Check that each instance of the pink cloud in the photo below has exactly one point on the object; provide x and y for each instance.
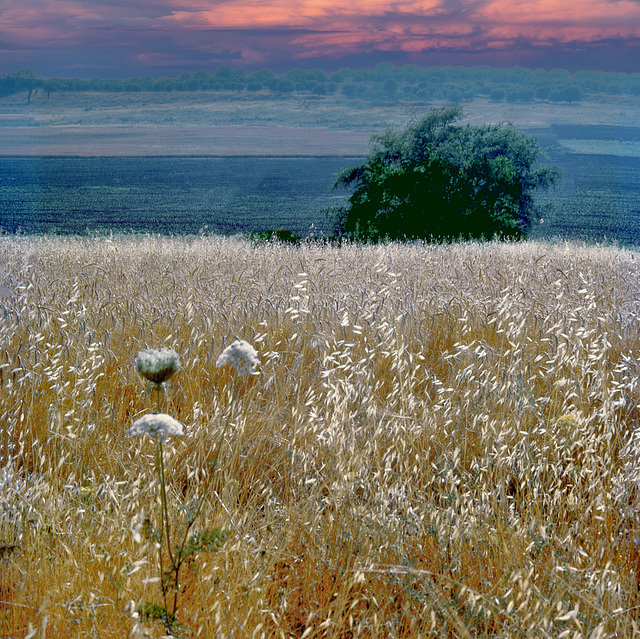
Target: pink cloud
(545, 11)
(166, 33)
(396, 36)
(293, 13)
(340, 26)
(547, 21)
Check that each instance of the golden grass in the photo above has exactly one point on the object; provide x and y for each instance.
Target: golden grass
(440, 442)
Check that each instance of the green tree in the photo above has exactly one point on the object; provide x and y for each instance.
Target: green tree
(543, 92)
(441, 180)
(17, 81)
(390, 87)
(566, 94)
(223, 73)
(263, 76)
(52, 86)
(252, 85)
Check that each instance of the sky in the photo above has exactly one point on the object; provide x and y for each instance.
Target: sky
(127, 38)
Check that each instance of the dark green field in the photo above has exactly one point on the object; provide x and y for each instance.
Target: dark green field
(597, 200)
(169, 195)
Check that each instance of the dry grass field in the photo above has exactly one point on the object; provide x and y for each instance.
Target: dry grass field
(440, 441)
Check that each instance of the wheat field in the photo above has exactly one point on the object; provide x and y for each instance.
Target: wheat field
(440, 442)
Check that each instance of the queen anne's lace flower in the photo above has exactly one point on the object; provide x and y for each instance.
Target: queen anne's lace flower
(157, 364)
(156, 425)
(241, 355)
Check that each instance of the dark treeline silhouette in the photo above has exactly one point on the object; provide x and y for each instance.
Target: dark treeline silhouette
(385, 82)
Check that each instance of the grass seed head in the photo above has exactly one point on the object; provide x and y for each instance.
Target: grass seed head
(242, 356)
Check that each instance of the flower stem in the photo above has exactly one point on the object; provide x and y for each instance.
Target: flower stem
(163, 500)
(210, 473)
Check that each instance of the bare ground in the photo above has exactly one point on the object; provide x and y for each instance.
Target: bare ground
(154, 140)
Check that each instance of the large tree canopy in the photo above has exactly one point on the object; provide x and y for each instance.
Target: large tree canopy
(441, 180)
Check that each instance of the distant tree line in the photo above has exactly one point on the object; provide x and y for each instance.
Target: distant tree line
(385, 82)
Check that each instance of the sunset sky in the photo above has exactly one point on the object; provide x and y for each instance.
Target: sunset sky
(125, 38)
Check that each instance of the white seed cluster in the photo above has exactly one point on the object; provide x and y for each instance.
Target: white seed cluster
(157, 364)
(242, 356)
(156, 425)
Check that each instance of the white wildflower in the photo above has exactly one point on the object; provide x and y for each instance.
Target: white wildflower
(241, 355)
(156, 425)
(157, 364)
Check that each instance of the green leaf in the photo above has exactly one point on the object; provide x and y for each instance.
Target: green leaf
(206, 541)
(149, 611)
